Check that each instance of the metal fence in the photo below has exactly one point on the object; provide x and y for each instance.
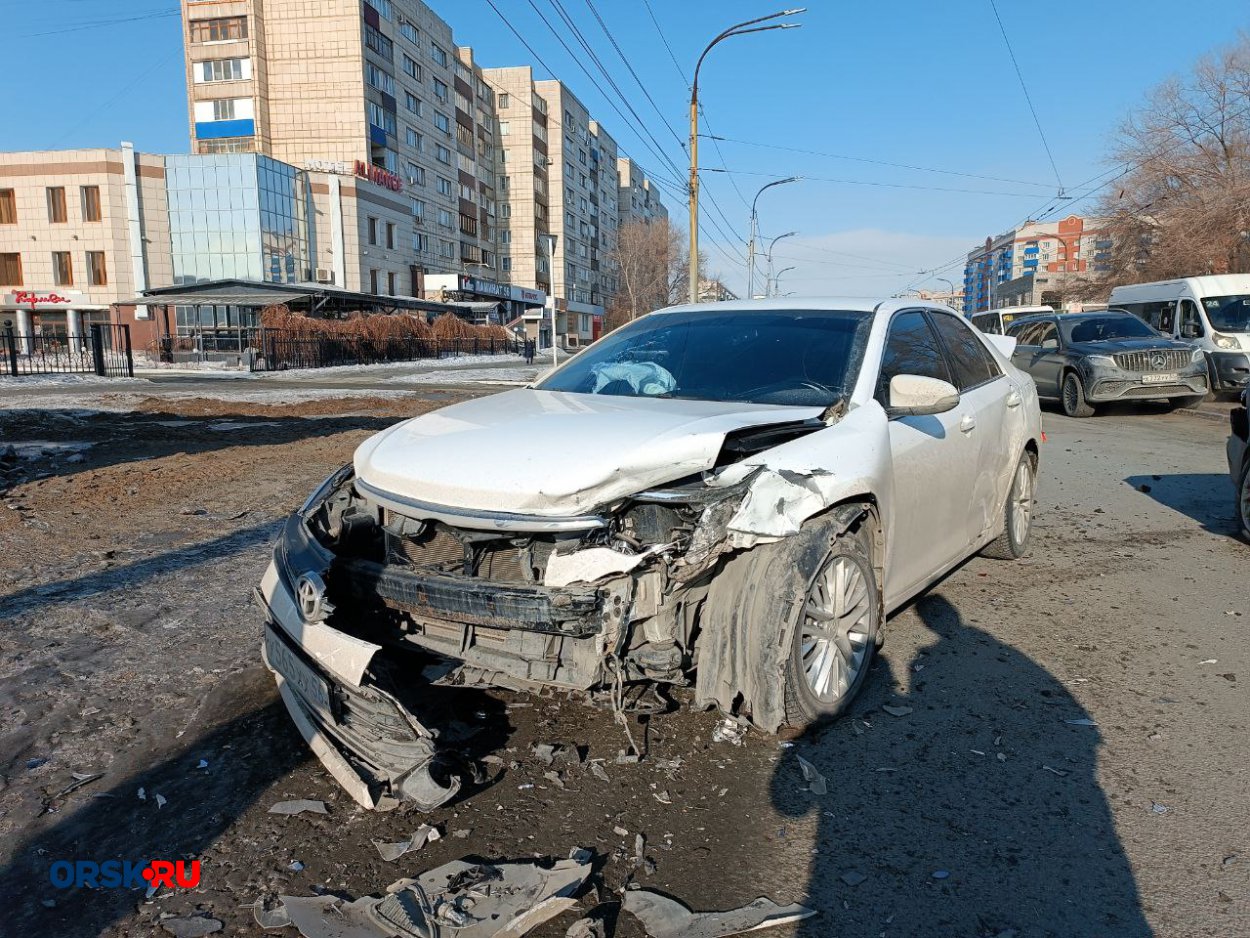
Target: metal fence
(104, 350)
(280, 351)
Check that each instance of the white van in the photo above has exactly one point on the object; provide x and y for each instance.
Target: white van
(996, 321)
(1211, 313)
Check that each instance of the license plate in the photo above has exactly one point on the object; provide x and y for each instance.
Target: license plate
(1158, 379)
(307, 682)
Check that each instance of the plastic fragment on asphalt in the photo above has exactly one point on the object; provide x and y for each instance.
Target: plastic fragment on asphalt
(192, 926)
(667, 918)
(599, 772)
(941, 874)
(464, 899)
(299, 807)
(587, 928)
(896, 711)
(1158, 808)
(853, 877)
(270, 913)
(161, 801)
(815, 781)
(1062, 773)
(729, 731)
(662, 797)
(420, 837)
(1083, 721)
(620, 831)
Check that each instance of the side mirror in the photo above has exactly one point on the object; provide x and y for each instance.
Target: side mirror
(1191, 330)
(917, 396)
(1050, 343)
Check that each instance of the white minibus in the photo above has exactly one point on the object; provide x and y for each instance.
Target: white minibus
(1211, 313)
(996, 321)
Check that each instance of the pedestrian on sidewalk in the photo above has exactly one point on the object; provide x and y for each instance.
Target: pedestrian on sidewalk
(529, 351)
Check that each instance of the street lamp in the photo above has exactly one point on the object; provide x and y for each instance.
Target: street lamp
(770, 258)
(755, 225)
(777, 279)
(738, 30)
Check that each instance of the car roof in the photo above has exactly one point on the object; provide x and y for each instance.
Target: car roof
(786, 304)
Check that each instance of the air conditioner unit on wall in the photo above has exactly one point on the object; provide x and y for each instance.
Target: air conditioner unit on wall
(325, 275)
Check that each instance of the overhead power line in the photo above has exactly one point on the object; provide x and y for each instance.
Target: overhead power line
(886, 185)
(1027, 97)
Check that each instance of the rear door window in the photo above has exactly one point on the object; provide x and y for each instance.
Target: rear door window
(970, 361)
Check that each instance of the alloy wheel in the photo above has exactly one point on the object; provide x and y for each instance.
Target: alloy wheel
(836, 628)
(1022, 502)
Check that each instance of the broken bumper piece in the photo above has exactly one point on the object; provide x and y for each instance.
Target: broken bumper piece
(375, 748)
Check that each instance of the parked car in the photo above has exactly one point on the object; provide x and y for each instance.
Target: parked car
(1239, 460)
(729, 495)
(1210, 313)
(996, 321)
(1082, 359)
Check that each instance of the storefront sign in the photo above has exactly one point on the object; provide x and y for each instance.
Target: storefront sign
(379, 176)
(529, 297)
(37, 301)
(484, 287)
(329, 166)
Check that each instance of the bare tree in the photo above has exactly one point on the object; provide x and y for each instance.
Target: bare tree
(1183, 206)
(651, 266)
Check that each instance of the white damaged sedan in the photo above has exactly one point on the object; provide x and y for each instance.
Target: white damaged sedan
(730, 496)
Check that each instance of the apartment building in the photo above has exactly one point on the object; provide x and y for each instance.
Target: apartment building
(1032, 264)
(372, 93)
(638, 198)
(79, 231)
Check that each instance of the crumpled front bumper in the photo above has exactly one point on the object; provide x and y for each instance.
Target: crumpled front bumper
(1231, 370)
(374, 747)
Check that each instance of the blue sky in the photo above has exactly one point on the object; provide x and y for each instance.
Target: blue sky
(927, 84)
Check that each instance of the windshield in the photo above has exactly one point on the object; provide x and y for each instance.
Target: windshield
(1228, 313)
(800, 358)
(1102, 328)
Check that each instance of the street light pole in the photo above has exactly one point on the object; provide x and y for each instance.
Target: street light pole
(738, 30)
(777, 279)
(772, 244)
(550, 241)
(755, 224)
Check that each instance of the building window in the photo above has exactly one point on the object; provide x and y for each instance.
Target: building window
(372, 227)
(501, 101)
(444, 186)
(8, 207)
(219, 30)
(420, 243)
(223, 70)
(380, 78)
(412, 102)
(440, 90)
(447, 248)
(382, 118)
(383, 7)
(442, 154)
(415, 140)
(11, 269)
(390, 283)
(506, 263)
(438, 54)
(56, 204)
(390, 236)
(226, 145)
(409, 31)
(444, 218)
(373, 281)
(442, 122)
(416, 174)
(379, 43)
(90, 203)
(62, 269)
(223, 109)
(504, 126)
(97, 273)
(411, 68)
(418, 210)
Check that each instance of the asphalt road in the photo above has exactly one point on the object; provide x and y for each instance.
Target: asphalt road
(1064, 753)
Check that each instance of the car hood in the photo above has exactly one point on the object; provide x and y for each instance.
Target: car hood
(551, 453)
(1112, 346)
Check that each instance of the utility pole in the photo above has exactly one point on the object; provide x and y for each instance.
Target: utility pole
(739, 30)
(755, 227)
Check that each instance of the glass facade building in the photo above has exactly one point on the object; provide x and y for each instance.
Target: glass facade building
(236, 216)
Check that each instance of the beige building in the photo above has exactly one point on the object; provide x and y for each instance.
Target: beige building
(373, 93)
(80, 230)
(638, 198)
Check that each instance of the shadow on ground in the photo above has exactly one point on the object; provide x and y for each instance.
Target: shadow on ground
(1206, 497)
(978, 813)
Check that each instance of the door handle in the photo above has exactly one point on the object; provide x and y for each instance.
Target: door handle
(1014, 399)
(967, 424)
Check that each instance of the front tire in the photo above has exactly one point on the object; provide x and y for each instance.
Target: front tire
(835, 636)
(1018, 514)
(1073, 397)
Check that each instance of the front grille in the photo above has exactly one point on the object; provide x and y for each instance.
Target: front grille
(1154, 360)
(1158, 390)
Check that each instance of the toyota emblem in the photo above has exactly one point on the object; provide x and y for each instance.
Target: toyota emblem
(310, 593)
(1158, 361)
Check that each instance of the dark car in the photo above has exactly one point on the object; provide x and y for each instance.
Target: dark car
(1083, 359)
